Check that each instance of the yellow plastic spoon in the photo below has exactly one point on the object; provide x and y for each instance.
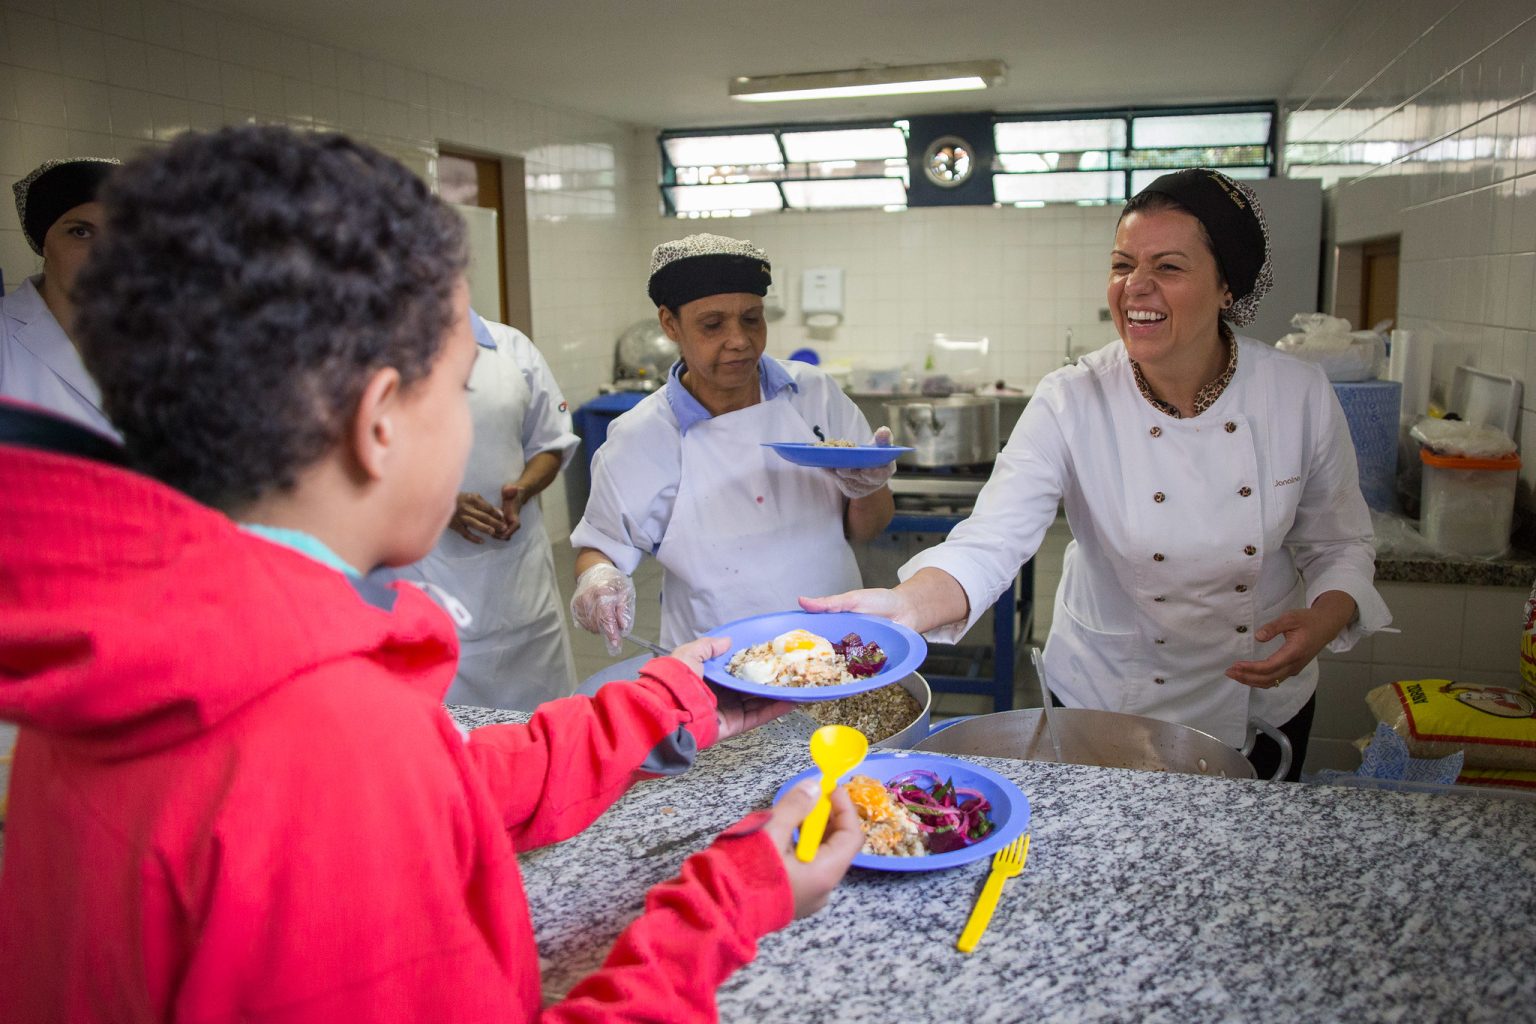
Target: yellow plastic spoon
(837, 750)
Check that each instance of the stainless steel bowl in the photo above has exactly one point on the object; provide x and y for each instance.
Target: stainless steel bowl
(917, 729)
(1106, 739)
(795, 726)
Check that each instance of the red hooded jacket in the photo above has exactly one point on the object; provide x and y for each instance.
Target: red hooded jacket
(236, 793)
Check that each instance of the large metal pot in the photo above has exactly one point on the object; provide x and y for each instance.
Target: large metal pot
(642, 356)
(959, 430)
(795, 726)
(909, 737)
(1103, 738)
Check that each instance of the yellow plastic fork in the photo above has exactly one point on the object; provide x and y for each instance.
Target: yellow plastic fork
(1006, 864)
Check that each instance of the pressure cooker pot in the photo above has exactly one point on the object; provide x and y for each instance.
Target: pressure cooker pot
(959, 430)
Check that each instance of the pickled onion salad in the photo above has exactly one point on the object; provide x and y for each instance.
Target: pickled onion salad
(916, 814)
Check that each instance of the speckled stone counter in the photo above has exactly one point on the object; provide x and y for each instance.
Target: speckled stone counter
(1517, 569)
(1147, 898)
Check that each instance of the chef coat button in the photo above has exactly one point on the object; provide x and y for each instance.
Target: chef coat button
(1156, 431)
(1159, 680)
(1230, 427)
(1245, 491)
(1157, 557)
(1159, 640)
(1242, 588)
(1242, 629)
(1250, 550)
(1159, 497)
(1159, 599)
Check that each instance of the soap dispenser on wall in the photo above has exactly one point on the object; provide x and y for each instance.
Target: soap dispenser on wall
(774, 300)
(821, 297)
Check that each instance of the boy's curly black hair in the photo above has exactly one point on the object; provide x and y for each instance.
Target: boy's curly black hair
(248, 283)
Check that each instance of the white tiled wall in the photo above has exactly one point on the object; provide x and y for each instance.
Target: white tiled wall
(106, 77)
(1446, 632)
(1424, 112)
(1019, 277)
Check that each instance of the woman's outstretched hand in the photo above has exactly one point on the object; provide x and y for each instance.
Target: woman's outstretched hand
(930, 597)
(888, 604)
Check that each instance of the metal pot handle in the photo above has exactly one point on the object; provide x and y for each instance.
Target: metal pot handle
(1258, 725)
(913, 414)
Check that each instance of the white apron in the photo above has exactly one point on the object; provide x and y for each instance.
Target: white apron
(515, 652)
(1189, 552)
(750, 533)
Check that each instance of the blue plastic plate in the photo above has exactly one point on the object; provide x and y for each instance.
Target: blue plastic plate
(836, 457)
(1010, 807)
(904, 651)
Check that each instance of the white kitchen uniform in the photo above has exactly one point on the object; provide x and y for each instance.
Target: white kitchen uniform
(39, 364)
(738, 530)
(515, 653)
(1189, 534)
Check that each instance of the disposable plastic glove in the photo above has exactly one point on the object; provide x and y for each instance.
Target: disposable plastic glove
(604, 603)
(859, 483)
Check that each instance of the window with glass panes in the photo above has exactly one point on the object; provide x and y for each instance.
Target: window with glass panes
(1096, 157)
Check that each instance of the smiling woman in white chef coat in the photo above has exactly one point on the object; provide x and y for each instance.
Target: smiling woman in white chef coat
(61, 220)
(684, 475)
(1220, 537)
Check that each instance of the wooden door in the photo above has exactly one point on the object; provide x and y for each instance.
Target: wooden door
(495, 183)
(1378, 285)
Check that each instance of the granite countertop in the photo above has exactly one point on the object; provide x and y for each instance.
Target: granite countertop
(1516, 569)
(1147, 897)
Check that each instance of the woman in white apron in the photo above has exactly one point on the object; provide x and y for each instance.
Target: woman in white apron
(61, 220)
(1220, 537)
(684, 475)
(495, 560)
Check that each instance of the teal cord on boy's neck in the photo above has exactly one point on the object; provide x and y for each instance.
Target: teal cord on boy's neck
(304, 544)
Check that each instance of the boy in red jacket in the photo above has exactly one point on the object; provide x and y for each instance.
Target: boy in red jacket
(236, 793)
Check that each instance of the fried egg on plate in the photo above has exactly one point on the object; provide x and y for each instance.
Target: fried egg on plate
(799, 646)
(788, 652)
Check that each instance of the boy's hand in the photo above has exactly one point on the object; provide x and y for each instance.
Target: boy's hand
(695, 653)
(812, 883)
(734, 712)
(738, 712)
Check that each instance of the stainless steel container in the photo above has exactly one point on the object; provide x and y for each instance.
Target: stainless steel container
(1103, 738)
(960, 430)
(795, 727)
(909, 737)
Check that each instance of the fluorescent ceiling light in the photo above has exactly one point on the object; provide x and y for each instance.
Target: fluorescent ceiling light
(821, 85)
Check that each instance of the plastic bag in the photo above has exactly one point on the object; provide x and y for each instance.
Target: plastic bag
(1399, 537)
(1465, 440)
(1528, 644)
(1495, 726)
(1344, 355)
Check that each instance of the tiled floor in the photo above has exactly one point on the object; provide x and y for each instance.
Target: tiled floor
(592, 655)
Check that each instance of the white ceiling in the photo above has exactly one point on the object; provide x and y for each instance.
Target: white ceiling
(666, 63)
